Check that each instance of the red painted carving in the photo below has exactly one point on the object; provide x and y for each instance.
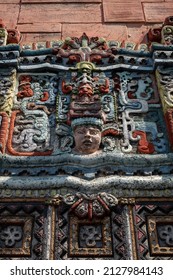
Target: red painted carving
(3, 131)
(163, 34)
(104, 88)
(86, 207)
(154, 35)
(13, 36)
(84, 49)
(110, 131)
(25, 87)
(10, 138)
(144, 146)
(45, 98)
(66, 88)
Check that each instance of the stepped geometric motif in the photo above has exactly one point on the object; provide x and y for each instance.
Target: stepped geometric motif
(152, 224)
(22, 230)
(88, 235)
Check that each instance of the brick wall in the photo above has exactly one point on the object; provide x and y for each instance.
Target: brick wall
(41, 20)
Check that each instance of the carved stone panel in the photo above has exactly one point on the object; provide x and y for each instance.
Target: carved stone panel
(90, 238)
(22, 230)
(160, 230)
(15, 236)
(33, 120)
(104, 237)
(3, 130)
(153, 225)
(7, 89)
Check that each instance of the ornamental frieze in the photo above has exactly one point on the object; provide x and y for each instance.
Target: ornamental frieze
(86, 107)
(86, 139)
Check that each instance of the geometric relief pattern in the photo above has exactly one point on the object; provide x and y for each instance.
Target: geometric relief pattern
(90, 238)
(22, 230)
(103, 238)
(160, 231)
(15, 236)
(153, 227)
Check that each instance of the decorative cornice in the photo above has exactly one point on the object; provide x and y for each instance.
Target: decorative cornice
(119, 186)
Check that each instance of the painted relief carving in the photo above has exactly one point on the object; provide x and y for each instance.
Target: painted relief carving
(88, 97)
(89, 224)
(85, 115)
(30, 126)
(83, 49)
(3, 130)
(22, 230)
(90, 238)
(161, 235)
(163, 34)
(90, 218)
(7, 89)
(8, 36)
(87, 139)
(85, 104)
(3, 34)
(15, 235)
(153, 237)
(90, 206)
(165, 84)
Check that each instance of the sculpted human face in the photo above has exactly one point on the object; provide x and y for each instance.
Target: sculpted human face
(85, 89)
(87, 139)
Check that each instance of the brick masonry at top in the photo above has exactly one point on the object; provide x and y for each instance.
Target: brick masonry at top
(113, 19)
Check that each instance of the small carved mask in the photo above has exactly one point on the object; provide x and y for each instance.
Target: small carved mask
(87, 139)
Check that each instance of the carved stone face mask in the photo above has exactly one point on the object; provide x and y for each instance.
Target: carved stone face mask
(87, 139)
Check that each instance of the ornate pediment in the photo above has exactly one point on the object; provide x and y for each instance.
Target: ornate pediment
(86, 107)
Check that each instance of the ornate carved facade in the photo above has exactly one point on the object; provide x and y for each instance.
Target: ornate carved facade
(86, 147)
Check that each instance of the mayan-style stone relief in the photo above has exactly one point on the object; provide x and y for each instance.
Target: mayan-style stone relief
(161, 235)
(3, 34)
(31, 123)
(8, 36)
(7, 89)
(97, 229)
(115, 106)
(85, 115)
(165, 83)
(22, 230)
(153, 230)
(163, 34)
(3, 130)
(94, 102)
